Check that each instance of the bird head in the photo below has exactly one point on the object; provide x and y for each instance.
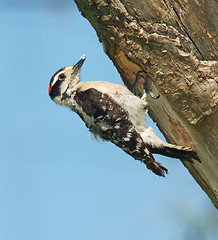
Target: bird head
(64, 79)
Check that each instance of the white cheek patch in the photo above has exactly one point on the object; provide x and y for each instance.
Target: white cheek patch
(63, 87)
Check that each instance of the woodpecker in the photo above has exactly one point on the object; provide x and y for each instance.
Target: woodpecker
(113, 113)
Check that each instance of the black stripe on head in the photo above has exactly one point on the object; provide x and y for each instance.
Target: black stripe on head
(55, 82)
(52, 78)
(55, 89)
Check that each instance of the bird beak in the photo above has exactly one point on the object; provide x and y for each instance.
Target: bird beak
(78, 65)
(75, 74)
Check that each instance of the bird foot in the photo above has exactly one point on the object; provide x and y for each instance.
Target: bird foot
(144, 84)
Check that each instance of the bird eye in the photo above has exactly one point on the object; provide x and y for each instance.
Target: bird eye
(62, 76)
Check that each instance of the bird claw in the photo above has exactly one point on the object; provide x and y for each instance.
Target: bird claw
(146, 87)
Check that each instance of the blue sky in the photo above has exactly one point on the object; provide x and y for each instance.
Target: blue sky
(56, 181)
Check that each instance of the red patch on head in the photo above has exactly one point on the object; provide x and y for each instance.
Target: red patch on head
(49, 89)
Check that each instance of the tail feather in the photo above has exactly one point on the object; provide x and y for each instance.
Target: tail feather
(170, 150)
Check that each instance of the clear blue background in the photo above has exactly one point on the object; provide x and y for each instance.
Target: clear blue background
(56, 181)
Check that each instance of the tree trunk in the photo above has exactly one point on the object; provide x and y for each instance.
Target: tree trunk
(174, 43)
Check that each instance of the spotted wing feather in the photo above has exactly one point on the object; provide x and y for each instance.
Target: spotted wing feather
(107, 119)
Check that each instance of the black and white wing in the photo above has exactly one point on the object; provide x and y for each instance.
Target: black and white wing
(108, 120)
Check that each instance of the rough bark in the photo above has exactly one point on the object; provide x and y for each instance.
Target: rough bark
(174, 42)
